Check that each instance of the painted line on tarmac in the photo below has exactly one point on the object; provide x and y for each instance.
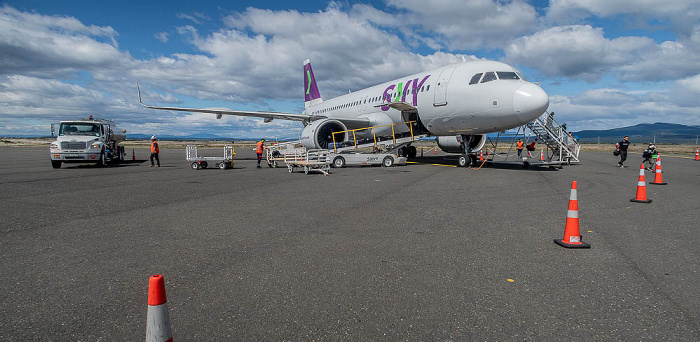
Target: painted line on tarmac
(409, 162)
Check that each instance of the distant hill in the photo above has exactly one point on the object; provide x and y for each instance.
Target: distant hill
(643, 133)
(203, 136)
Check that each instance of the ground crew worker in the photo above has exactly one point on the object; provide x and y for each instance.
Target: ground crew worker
(259, 148)
(154, 151)
(621, 148)
(520, 144)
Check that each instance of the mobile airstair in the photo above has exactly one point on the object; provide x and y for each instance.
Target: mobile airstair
(555, 145)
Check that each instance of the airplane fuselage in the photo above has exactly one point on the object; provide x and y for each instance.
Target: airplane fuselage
(468, 98)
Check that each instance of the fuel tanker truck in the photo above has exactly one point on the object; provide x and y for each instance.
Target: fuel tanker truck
(88, 140)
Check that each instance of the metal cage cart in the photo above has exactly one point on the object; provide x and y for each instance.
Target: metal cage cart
(199, 162)
(312, 160)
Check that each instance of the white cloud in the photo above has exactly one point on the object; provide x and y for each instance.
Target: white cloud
(465, 24)
(162, 37)
(683, 14)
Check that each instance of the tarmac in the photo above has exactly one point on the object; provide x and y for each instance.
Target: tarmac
(415, 253)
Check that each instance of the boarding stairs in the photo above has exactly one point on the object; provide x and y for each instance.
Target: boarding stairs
(561, 145)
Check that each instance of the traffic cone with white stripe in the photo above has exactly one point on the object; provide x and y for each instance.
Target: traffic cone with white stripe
(658, 177)
(481, 156)
(158, 321)
(541, 155)
(572, 237)
(697, 154)
(641, 188)
(435, 149)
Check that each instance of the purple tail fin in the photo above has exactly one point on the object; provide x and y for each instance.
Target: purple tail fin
(311, 94)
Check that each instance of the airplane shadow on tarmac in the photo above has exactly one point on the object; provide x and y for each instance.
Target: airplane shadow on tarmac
(452, 161)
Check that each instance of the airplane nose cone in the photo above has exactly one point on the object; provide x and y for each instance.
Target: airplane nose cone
(530, 101)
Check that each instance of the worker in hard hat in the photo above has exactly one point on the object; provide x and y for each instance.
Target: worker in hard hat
(519, 145)
(259, 149)
(154, 151)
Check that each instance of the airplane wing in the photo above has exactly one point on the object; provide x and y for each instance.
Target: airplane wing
(268, 116)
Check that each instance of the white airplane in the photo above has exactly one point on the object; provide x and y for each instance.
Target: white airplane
(458, 103)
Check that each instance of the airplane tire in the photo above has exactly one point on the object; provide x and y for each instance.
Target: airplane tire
(463, 160)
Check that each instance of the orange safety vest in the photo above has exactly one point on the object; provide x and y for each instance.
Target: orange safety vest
(154, 147)
(259, 147)
(520, 145)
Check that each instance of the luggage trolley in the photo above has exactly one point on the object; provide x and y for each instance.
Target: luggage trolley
(198, 162)
(312, 160)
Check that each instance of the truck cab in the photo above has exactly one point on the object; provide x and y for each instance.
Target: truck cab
(88, 140)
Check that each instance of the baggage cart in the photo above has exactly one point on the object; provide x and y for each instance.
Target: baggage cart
(199, 162)
(312, 160)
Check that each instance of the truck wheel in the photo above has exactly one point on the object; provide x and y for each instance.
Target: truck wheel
(56, 164)
(339, 162)
(222, 166)
(103, 159)
(306, 170)
(195, 165)
(204, 164)
(388, 161)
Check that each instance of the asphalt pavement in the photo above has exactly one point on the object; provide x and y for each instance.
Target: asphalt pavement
(419, 252)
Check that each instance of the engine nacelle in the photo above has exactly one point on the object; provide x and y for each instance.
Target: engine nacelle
(450, 144)
(318, 134)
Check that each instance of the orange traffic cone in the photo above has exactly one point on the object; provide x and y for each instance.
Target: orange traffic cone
(658, 178)
(158, 321)
(421, 151)
(641, 188)
(541, 155)
(572, 237)
(697, 154)
(435, 149)
(481, 156)
(133, 154)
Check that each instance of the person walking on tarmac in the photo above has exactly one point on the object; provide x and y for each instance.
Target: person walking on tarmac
(259, 148)
(154, 151)
(648, 155)
(621, 147)
(520, 144)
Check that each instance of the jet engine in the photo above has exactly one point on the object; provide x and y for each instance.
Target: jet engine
(318, 134)
(450, 144)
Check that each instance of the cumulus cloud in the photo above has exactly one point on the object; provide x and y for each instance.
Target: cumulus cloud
(54, 46)
(683, 14)
(465, 24)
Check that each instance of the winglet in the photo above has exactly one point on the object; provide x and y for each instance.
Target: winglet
(138, 89)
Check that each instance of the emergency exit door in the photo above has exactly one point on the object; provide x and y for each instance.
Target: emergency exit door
(441, 86)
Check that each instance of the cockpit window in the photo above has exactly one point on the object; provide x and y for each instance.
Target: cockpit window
(507, 75)
(475, 78)
(488, 77)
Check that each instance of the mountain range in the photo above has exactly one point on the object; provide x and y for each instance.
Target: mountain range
(643, 133)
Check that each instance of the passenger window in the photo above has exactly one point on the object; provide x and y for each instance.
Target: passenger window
(475, 78)
(488, 77)
(427, 88)
(507, 75)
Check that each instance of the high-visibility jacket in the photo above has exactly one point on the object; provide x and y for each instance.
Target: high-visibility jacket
(520, 145)
(154, 147)
(259, 147)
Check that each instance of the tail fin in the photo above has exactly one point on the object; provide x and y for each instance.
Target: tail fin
(311, 94)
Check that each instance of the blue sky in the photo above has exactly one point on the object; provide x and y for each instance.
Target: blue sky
(605, 64)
